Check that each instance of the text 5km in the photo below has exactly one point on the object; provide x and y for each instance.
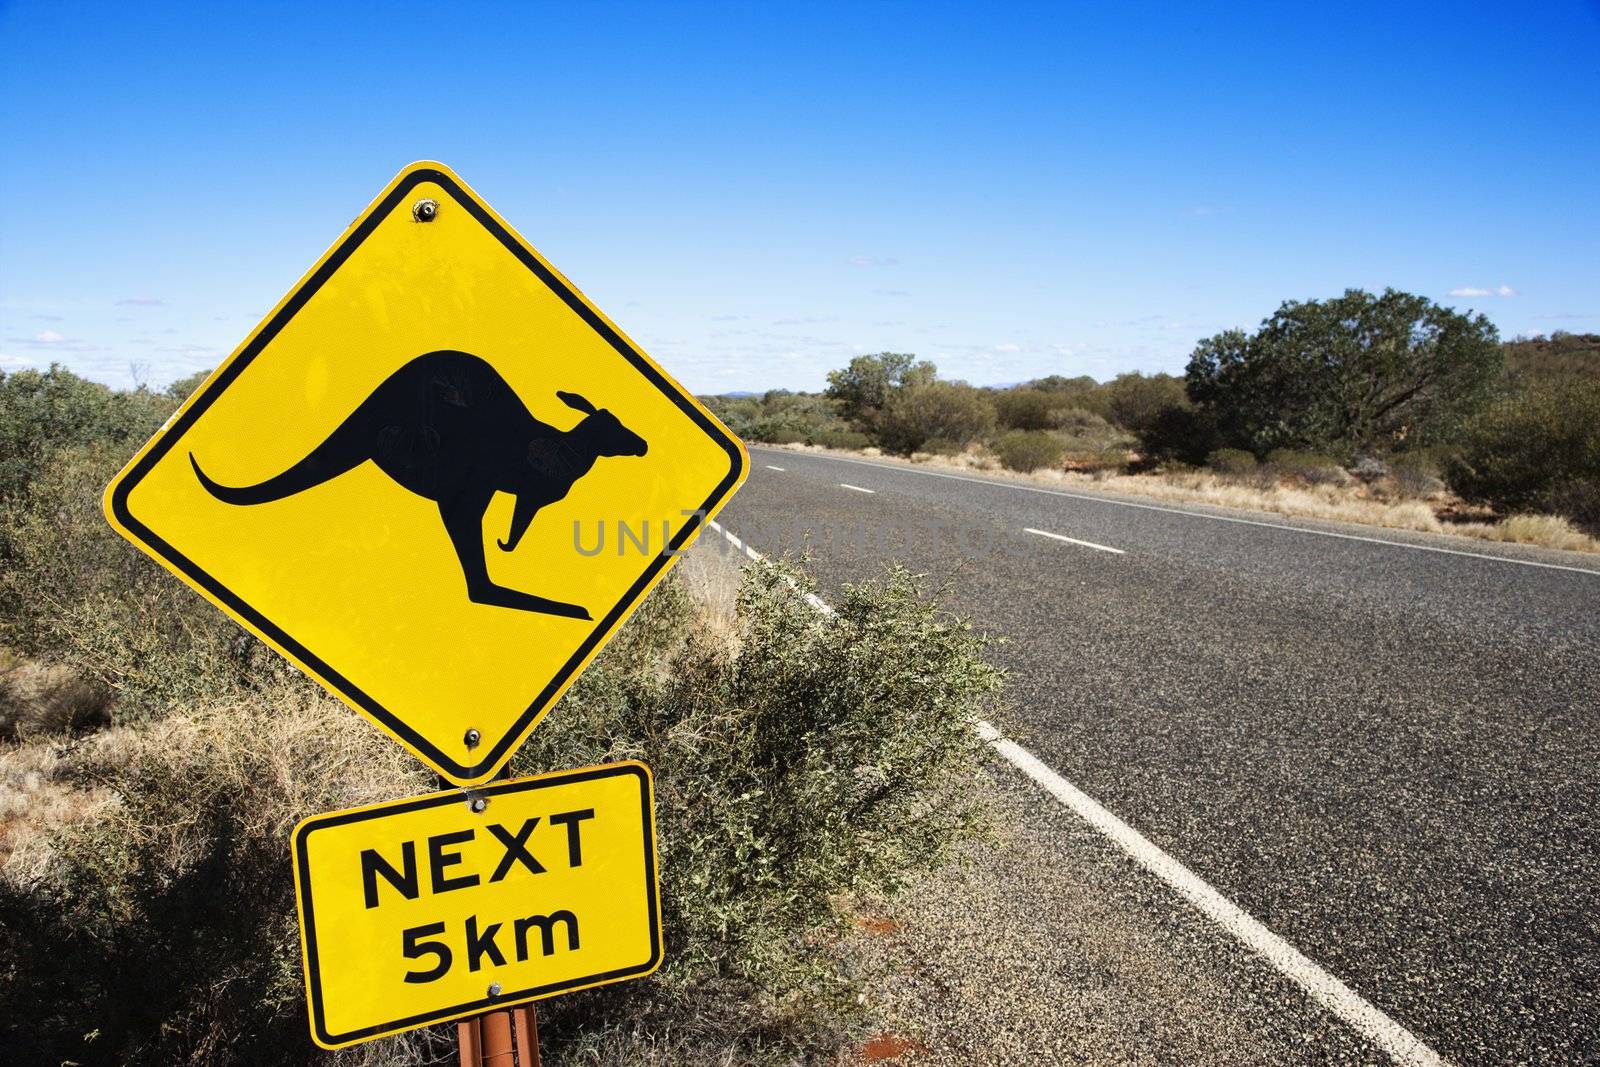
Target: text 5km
(478, 941)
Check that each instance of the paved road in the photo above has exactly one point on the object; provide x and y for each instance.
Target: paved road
(1388, 756)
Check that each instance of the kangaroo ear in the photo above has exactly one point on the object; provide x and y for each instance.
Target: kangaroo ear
(573, 400)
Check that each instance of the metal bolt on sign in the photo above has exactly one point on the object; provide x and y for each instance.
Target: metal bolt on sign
(425, 210)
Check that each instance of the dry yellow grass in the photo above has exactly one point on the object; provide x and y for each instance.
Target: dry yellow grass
(36, 793)
(1333, 503)
(297, 747)
(710, 576)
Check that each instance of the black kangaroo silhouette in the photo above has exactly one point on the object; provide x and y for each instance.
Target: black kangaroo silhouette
(447, 427)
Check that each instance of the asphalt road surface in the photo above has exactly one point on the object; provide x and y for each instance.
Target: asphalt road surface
(1387, 754)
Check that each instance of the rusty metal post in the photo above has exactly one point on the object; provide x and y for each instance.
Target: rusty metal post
(497, 1050)
(470, 1041)
(525, 1021)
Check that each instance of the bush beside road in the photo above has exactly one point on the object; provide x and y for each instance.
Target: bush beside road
(154, 757)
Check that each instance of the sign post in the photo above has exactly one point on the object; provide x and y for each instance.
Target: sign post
(437, 479)
(500, 1039)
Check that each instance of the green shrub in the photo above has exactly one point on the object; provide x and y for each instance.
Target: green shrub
(951, 410)
(738, 413)
(1350, 374)
(1179, 434)
(1312, 468)
(44, 411)
(1082, 392)
(1552, 361)
(1415, 475)
(75, 592)
(1535, 451)
(1028, 450)
(942, 446)
(778, 416)
(1091, 441)
(843, 439)
(1027, 409)
(862, 389)
(798, 757)
(1135, 400)
(1231, 461)
(1081, 422)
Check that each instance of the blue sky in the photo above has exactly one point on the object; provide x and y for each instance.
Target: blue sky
(758, 192)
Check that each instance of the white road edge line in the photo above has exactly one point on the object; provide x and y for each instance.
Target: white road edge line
(1206, 515)
(1074, 541)
(1344, 1002)
(1401, 1044)
(770, 467)
(857, 488)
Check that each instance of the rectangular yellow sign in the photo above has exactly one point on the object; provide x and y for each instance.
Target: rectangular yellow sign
(427, 909)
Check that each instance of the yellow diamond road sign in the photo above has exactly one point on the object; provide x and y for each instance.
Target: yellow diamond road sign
(421, 910)
(435, 477)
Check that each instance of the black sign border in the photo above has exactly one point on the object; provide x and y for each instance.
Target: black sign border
(500, 750)
(304, 831)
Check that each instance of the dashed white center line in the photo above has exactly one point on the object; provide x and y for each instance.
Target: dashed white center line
(1074, 541)
(770, 467)
(857, 488)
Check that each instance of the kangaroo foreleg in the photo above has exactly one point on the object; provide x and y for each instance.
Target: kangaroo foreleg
(463, 521)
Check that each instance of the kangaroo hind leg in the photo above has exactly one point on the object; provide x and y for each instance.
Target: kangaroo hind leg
(463, 521)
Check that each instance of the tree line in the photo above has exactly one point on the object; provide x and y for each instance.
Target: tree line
(1362, 381)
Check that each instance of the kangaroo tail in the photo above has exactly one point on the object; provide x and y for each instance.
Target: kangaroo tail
(328, 460)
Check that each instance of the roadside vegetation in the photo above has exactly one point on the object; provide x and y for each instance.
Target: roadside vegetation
(1383, 409)
(154, 757)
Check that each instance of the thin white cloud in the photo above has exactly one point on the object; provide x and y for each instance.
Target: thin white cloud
(142, 302)
(10, 362)
(1008, 348)
(1472, 290)
(873, 261)
(809, 320)
(52, 341)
